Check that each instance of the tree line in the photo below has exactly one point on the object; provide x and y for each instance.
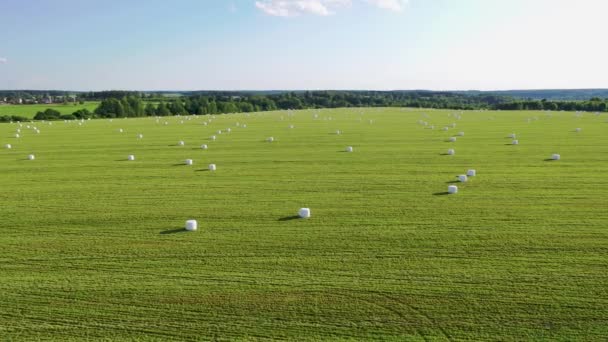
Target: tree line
(133, 104)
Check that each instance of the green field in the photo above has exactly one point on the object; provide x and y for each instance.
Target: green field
(29, 110)
(92, 246)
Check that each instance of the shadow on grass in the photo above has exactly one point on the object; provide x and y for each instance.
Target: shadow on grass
(201, 170)
(441, 193)
(180, 164)
(444, 154)
(549, 160)
(173, 231)
(510, 145)
(452, 182)
(289, 218)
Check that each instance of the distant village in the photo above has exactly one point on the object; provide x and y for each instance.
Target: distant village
(39, 99)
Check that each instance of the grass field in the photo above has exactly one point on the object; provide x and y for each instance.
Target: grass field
(29, 110)
(91, 246)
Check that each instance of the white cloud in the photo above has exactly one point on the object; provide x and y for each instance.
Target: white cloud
(3, 60)
(291, 8)
(392, 5)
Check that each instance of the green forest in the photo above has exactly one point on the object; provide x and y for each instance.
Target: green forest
(134, 104)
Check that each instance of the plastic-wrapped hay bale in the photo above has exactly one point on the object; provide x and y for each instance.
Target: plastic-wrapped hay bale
(338, 132)
(451, 152)
(579, 129)
(181, 143)
(512, 135)
(453, 139)
(452, 189)
(515, 142)
(140, 136)
(461, 134)
(445, 128)
(244, 125)
(270, 139)
(203, 146)
(212, 167)
(454, 125)
(228, 130)
(189, 162)
(120, 130)
(31, 157)
(191, 225)
(17, 135)
(219, 131)
(462, 178)
(349, 148)
(556, 156)
(8, 146)
(304, 213)
(131, 157)
(471, 173)
(213, 137)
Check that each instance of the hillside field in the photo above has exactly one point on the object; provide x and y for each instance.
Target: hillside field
(92, 245)
(29, 110)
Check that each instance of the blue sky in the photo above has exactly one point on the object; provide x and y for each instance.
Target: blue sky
(303, 44)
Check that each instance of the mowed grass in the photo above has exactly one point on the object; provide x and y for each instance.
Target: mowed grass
(91, 246)
(30, 110)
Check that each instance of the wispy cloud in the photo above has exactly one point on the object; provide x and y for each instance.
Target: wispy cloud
(292, 8)
(391, 5)
(3, 60)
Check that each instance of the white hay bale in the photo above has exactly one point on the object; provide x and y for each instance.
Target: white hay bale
(31, 157)
(189, 162)
(213, 137)
(203, 146)
(556, 156)
(8, 146)
(451, 152)
(37, 131)
(452, 189)
(18, 130)
(515, 142)
(219, 131)
(131, 157)
(454, 125)
(471, 173)
(349, 148)
(304, 213)
(17, 135)
(244, 125)
(291, 126)
(191, 225)
(228, 130)
(578, 129)
(512, 135)
(338, 132)
(212, 167)
(462, 178)
(270, 139)
(140, 136)
(461, 134)
(432, 127)
(120, 130)
(181, 143)
(446, 128)
(453, 139)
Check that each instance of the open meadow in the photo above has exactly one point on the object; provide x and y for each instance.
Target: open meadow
(30, 110)
(92, 245)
